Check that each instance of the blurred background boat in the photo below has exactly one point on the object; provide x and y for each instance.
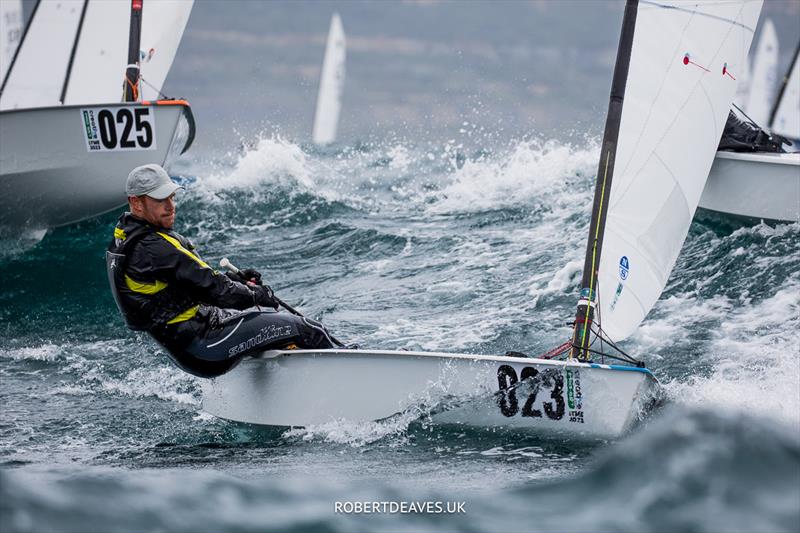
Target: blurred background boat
(69, 134)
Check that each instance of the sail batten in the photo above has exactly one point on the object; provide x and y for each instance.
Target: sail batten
(681, 80)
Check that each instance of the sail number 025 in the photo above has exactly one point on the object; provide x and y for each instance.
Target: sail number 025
(119, 128)
(127, 121)
(530, 381)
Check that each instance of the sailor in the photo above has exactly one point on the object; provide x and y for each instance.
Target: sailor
(207, 321)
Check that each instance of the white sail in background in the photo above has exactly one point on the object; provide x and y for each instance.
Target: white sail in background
(680, 86)
(37, 78)
(102, 52)
(10, 33)
(163, 24)
(787, 114)
(331, 83)
(743, 88)
(764, 75)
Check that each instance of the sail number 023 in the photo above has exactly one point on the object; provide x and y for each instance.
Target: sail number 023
(530, 382)
(121, 128)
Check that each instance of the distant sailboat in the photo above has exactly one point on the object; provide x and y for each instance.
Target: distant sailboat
(743, 87)
(79, 107)
(763, 76)
(672, 87)
(759, 184)
(331, 85)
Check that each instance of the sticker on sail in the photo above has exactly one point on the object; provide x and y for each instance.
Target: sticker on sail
(624, 267)
(620, 286)
(118, 128)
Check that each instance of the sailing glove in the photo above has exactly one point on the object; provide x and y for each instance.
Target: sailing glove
(243, 276)
(251, 274)
(263, 295)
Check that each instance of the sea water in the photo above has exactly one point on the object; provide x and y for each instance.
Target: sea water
(402, 246)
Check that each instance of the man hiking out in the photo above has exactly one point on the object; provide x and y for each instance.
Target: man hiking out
(206, 320)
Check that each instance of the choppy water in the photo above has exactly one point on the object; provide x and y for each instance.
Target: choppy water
(397, 244)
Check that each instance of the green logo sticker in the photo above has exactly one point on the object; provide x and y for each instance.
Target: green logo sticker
(87, 124)
(570, 390)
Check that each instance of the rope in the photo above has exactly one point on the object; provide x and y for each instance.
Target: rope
(160, 94)
(752, 122)
(555, 351)
(625, 356)
(134, 88)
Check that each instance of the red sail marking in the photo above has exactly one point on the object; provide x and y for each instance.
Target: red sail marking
(688, 61)
(726, 72)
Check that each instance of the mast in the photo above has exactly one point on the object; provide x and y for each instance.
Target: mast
(588, 297)
(131, 83)
(783, 87)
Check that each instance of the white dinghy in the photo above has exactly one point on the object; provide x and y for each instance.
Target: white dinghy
(763, 185)
(331, 85)
(669, 99)
(758, 185)
(764, 75)
(79, 107)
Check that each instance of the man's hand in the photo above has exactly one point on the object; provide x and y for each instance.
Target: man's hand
(252, 275)
(247, 275)
(263, 295)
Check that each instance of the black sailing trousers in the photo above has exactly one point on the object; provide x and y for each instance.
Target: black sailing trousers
(217, 339)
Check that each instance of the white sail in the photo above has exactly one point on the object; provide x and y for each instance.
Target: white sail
(764, 75)
(743, 87)
(331, 83)
(40, 69)
(102, 52)
(10, 32)
(163, 24)
(787, 113)
(680, 86)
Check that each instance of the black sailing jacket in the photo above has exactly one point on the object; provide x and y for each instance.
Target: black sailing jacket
(163, 282)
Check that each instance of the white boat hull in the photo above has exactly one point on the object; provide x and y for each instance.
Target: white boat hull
(53, 174)
(309, 388)
(757, 185)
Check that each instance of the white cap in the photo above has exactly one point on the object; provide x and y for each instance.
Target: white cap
(150, 180)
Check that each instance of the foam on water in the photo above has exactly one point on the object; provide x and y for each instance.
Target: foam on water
(270, 160)
(754, 354)
(14, 243)
(564, 280)
(43, 352)
(165, 383)
(534, 174)
(356, 434)
(402, 244)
